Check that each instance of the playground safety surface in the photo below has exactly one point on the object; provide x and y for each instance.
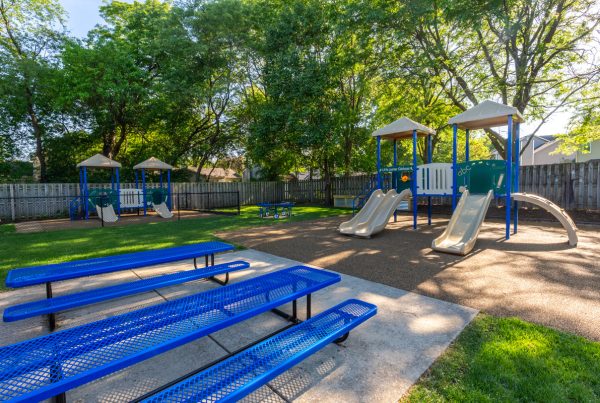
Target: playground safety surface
(535, 275)
(380, 360)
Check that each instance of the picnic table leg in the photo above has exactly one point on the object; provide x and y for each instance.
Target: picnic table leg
(212, 263)
(51, 316)
(308, 306)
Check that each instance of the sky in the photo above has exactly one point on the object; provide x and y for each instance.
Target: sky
(83, 15)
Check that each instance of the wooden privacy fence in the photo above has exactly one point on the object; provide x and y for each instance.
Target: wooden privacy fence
(572, 186)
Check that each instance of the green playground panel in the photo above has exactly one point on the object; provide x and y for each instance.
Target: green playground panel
(482, 175)
(102, 197)
(400, 171)
(159, 196)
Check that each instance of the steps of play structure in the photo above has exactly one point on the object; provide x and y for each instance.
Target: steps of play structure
(559, 213)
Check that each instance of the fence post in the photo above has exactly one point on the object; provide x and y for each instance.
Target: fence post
(12, 202)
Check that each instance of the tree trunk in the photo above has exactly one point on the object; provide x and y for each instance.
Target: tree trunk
(327, 178)
(38, 133)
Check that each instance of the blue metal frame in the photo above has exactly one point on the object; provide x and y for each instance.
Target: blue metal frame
(467, 156)
(414, 178)
(263, 362)
(454, 167)
(144, 197)
(429, 160)
(517, 174)
(26, 276)
(76, 356)
(379, 181)
(509, 179)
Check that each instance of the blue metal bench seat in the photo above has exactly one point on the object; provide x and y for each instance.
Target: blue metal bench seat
(243, 373)
(75, 300)
(27, 276)
(50, 365)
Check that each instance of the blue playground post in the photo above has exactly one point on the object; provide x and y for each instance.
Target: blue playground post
(85, 193)
(118, 192)
(517, 174)
(144, 190)
(395, 175)
(509, 165)
(429, 160)
(379, 182)
(169, 189)
(454, 167)
(414, 178)
(467, 156)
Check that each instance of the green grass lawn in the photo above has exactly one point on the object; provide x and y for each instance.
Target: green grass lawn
(22, 249)
(509, 360)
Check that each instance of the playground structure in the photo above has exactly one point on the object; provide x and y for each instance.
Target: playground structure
(427, 180)
(475, 182)
(160, 199)
(104, 201)
(110, 203)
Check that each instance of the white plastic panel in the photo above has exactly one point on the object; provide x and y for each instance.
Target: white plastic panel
(434, 179)
(130, 198)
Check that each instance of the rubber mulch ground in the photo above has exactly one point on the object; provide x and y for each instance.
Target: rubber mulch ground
(535, 275)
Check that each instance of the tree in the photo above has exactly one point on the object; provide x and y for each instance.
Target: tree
(585, 124)
(109, 78)
(30, 37)
(528, 54)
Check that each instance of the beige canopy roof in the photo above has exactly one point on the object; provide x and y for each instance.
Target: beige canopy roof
(486, 114)
(153, 163)
(402, 128)
(99, 161)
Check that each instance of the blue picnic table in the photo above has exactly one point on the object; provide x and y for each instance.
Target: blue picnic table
(275, 209)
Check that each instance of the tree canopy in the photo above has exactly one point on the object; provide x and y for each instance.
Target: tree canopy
(284, 86)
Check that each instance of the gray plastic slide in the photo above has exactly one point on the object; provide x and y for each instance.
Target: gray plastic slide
(364, 214)
(107, 214)
(376, 219)
(162, 210)
(560, 214)
(462, 230)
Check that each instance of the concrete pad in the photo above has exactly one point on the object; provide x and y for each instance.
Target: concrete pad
(379, 361)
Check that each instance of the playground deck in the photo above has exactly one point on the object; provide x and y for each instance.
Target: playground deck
(535, 275)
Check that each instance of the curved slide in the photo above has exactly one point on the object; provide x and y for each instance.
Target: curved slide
(558, 213)
(378, 211)
(107, 214)
(162, 210)
(462, 230)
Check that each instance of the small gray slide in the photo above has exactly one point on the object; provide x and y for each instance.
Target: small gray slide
(462, 230)
(378, 214)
